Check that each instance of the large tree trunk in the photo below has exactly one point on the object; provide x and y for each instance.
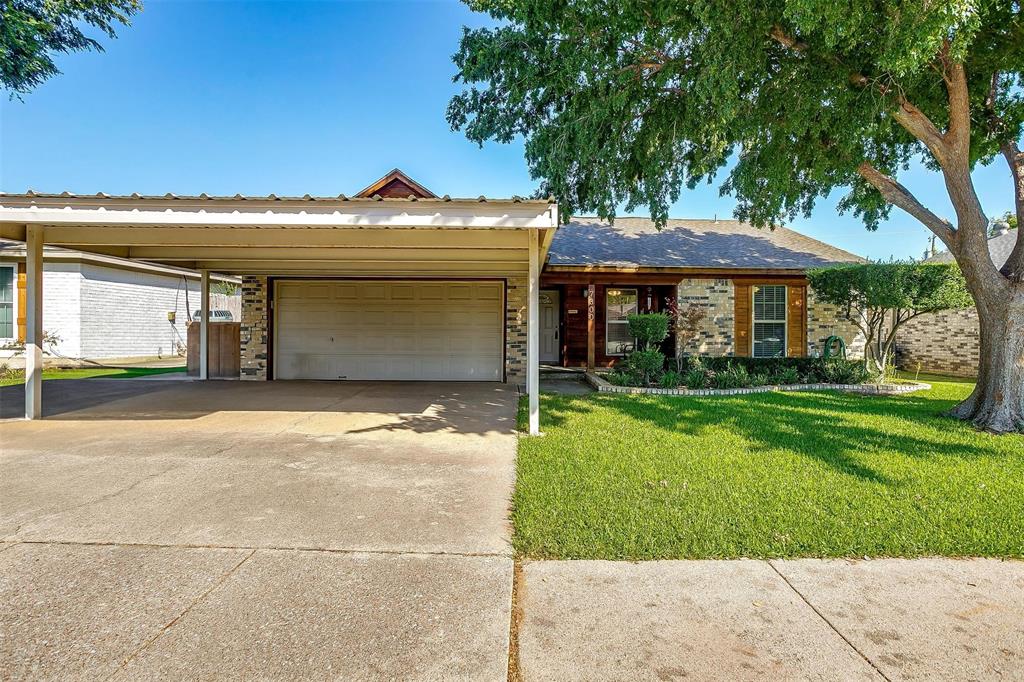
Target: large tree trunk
(997, 403)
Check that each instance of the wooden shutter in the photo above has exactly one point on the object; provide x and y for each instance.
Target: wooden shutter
(742, 318)
(796, 322)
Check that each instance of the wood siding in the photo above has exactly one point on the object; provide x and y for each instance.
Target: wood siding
(22, 302)
(796, 321)
(743, 319)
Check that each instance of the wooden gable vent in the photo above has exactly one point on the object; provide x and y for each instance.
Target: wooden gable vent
(396, 185)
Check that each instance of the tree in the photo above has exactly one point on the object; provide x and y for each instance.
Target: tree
(621, 103)
(31, 31)
(881, 297)
(687, 323)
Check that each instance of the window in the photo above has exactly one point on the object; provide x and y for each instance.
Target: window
(619, 304)
(7, 299)
(769, 321)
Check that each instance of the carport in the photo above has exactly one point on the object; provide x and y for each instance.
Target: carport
(427, 287)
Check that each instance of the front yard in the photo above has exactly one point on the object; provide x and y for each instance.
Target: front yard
(17, 376)
(766, 475)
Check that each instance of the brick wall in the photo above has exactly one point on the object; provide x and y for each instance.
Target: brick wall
(717, 297)
(825, 320)
(62, 306)
(944, 343)
(255, 313)
(516, 290)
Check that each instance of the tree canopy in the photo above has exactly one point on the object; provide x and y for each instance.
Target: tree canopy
(625, 102)
(31, 31)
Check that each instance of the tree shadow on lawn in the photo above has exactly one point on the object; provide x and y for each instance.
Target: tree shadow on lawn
(836, 429)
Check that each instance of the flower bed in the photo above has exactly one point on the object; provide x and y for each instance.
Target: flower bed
(603, 386)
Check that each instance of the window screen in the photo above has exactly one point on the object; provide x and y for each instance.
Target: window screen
(620, 304)
(769, 321)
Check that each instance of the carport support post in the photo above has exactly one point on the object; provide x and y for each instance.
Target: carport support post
(33, 321)
(204, 324)
(533, 335)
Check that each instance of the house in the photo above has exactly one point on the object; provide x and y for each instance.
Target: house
(750, 282)
(948, 342)
(100, 307)
(397, 283)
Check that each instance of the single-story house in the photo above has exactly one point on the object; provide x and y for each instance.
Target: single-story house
(750, 282)
(949, 342)
(101, 307)
(397, 283)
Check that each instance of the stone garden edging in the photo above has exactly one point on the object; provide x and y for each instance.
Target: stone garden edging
(603, 386)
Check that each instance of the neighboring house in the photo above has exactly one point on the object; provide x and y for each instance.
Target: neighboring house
(948, 342)
(102, 307)
(396, 282)
(750, 282)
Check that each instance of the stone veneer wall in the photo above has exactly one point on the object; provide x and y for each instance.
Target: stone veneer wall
(516, 291)
(717, 297)
(255, 325)
(944, 343)
(254, 328)
(825, 320)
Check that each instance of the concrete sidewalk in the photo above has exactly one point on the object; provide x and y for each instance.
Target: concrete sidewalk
(894, 619)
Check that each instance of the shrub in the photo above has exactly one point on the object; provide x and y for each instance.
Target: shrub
(645, 365)
(649, 330)
(733, 376)
(788, 375)
(671, 379)
(696, 379)
(840, 372)
(760, 379)
(619, 379)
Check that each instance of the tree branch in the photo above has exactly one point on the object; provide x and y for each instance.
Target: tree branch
(898, 195)
(1013, 269)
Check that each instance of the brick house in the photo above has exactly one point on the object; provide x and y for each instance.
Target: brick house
(397, 283)
(750, 282)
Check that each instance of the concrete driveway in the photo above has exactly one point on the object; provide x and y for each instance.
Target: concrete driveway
(270, 530)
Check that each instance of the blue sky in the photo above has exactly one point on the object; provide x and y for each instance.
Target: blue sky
(312, 97)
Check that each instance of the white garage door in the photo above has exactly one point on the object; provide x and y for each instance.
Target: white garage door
(423, 330)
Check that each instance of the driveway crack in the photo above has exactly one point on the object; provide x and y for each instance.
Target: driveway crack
(128, 659)
(828, 622)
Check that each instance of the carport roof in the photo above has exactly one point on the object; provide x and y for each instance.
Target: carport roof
(135, 196)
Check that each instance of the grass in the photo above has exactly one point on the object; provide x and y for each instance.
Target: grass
(821, 474)
(12, 377)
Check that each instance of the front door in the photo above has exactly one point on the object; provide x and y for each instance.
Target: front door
(549, 326)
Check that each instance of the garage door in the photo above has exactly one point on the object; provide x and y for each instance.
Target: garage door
(393, 330)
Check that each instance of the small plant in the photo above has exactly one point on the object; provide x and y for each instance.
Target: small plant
(760, 379)
(619, 379)
(671, 379)
(843, 372)
(645, 366)
(733, 376)
(787, 376)
(696, 378)
(649, 329)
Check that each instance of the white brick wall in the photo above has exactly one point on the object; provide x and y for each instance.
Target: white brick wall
(124, 312)
(61, 302)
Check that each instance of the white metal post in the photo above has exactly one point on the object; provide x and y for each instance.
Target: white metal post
(533, 335)
(204, 324)
(34, 322)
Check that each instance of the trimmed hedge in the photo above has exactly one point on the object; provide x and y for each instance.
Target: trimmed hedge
(805, 366)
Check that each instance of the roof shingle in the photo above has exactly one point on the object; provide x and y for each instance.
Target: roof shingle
(636, 242)
(999, 247)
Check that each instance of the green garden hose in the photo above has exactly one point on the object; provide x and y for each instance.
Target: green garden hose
(834, 341)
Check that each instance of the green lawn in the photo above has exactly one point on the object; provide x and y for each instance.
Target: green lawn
(766, 475)
(18, 376)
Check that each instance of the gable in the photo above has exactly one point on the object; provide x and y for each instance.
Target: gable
(396, 185)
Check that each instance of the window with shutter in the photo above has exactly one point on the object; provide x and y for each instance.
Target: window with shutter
(769, 333)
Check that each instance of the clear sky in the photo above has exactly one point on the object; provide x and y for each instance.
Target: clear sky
(312, 97)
